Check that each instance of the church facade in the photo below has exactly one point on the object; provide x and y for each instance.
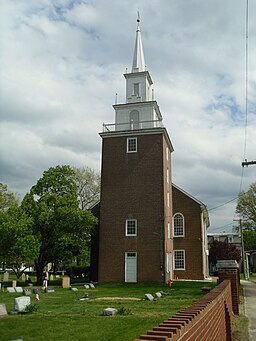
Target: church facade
(134, 241)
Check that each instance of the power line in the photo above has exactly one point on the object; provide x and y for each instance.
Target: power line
(225, 203)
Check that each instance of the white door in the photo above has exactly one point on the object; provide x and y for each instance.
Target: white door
(130, 267)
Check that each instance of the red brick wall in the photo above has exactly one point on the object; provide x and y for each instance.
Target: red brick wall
(233, 275)
(192, 242)
(132, 187)
(208, 319)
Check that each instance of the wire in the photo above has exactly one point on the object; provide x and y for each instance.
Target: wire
(225, 203)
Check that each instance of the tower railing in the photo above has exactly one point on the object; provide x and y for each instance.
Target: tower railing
(133, 125)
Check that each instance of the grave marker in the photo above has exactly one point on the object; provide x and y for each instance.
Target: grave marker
(149, 297)
(6, 277)
(19, 290)
(21, 303)
(3, 311)
(109, 311)
(10, 289)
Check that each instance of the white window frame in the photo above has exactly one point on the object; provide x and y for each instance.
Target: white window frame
(127, 227)
(128, 150)
(168, 231)
(175, 234)
(179, 252)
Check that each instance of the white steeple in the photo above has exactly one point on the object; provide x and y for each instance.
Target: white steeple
(138, 64)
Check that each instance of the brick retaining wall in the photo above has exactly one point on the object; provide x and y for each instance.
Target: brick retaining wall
(207, 319)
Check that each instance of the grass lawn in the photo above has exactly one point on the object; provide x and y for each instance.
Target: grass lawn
(61, 316)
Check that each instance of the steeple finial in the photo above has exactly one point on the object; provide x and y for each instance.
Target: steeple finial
(138, 63)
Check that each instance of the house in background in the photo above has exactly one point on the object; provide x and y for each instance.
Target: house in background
(230, 238)
(134, 241)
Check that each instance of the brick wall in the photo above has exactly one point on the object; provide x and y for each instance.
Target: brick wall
(193, 239)
(233, 275)
(207, 319)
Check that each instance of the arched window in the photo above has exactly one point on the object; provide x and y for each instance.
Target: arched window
(134, 119)
(178, 225)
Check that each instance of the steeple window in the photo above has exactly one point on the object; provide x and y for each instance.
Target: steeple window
(136, 89)
(134, 119)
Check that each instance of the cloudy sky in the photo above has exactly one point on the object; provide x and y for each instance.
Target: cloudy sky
(62, 62)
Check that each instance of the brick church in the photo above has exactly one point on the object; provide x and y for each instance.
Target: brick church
(149, 230)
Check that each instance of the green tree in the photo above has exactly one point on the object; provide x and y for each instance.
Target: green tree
(18, 246)
(7, 198)
(60, 226)
(246, 207)
(88, 184)
(249, 240)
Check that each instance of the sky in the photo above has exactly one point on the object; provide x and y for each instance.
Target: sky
(62, 63)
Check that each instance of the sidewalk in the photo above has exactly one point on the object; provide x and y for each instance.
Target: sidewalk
(250, 306)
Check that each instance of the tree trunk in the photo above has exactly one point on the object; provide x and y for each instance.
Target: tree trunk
(39, 273)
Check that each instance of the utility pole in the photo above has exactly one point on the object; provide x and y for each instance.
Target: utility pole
(248, 163)
(242, 246)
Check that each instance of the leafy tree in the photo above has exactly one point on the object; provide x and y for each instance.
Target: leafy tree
(88, 184)
(7, 198)
(246, 207)
(60, 226)
(18, 246)
(249, 240)
(222, 250)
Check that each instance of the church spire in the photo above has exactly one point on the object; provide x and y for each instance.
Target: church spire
(138, 64)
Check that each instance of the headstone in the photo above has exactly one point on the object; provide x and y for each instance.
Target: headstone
(87, 286)
(74, 289)
(19, 290)
(14, 283)
(23, 277)
(17, 340)
(3, 311)
(66, 282)
(91, 285)
(109, 311)
(6, 277)
(10, 289)
(158, 294)
(27, 292)
(149, 297)
(37, 291)
(85, 297)
(49, 289)
(51, 278)
(21, 303)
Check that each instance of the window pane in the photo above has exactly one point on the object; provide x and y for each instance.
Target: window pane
(178, 225)
(131, 227)
(179, 260)
(131, 145)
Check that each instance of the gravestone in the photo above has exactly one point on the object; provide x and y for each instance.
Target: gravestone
(3, 311)
(27, 292)
(49, 290)
(109, 311)
(87, 286)
(91, 285)
(19, 290)
(158, 294)
(6, 277)
(51, 278)
(74, 289)
(66, 282)
(10, 289)
(21, 303)
(23, 277)
(149, 297)
(37, 291)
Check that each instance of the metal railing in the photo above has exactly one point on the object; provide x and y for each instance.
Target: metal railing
(133, 125)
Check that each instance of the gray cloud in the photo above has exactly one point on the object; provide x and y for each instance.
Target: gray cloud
(62, 63)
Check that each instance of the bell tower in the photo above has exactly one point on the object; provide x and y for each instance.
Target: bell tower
(135, 233)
